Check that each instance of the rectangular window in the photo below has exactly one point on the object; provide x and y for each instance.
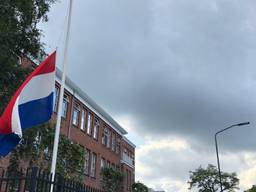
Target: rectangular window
(56, 98)
(113, 143)
(106, 137)
(83, 117)
(96, 128)
(118, 146)
(109, 140)
(93, 165)
(64, 106)
(76, 113)
(86, 162)
(89, 124)
(102, 163)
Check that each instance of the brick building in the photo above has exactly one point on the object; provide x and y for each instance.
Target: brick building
(86, 123)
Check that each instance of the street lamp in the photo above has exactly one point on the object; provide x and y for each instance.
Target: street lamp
(216, 145)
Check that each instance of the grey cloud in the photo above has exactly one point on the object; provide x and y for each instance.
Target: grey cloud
(178, 67)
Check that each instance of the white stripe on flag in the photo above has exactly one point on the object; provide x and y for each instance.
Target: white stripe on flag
(16, 127)
(38, 87)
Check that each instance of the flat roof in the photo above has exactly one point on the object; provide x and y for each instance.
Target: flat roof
(129, 142)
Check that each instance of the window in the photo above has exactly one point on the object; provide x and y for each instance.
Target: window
(106, 137)
(133, 161)
(118, 145)
(109, 140)
(96, 128)
(76, 112)
(89, 124)
(83, 117)
(56, 97)
(93, 165)
(64, 106)
(113, 143)
(86, 162)
(102, 163)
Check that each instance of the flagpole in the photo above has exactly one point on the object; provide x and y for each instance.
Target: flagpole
(57, 130)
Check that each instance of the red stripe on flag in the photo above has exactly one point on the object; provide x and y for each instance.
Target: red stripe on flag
(47, 66)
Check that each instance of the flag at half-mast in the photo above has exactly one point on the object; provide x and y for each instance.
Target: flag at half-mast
(32, 104)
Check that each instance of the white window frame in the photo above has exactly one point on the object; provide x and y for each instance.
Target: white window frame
(106, 137)
(75, 115)
(64, 106)
(89, 123)
(87, 162)
(96, 128)
(83, 120)
(102, 163)
(118, 143)
(113, 142)
(93, 165)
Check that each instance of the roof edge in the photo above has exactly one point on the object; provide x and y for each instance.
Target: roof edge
(91, 102)
(129, 142)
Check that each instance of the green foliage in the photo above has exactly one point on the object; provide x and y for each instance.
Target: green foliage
(35, 150)
(207, 180)
(19, 36)
(139, 187)
(18, 25)
(70, 159)
(111, 179)
(253, 189)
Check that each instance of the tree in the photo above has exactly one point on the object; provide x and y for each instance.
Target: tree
(36, 149)
(111, 179)
(139, 187)
(253, 189)
(19, 36)
(207, 180)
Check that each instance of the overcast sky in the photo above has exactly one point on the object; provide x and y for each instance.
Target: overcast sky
(172, 73)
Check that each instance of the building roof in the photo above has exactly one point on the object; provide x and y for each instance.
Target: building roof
(129, 142)
(89, 101)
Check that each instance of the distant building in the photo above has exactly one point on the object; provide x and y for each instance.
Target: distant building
(86, 123)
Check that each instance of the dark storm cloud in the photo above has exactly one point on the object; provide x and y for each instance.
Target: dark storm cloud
(178, 67)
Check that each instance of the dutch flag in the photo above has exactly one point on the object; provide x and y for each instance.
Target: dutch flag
(32, 104)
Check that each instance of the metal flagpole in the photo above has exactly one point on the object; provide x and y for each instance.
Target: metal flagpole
(57, 130)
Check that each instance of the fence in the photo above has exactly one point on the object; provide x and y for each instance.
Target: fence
(35, 180)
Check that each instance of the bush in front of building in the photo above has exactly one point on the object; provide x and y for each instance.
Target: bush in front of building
(139, 187)
(111, 179)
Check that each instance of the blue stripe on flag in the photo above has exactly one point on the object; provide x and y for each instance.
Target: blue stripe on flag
(8, 142)
(36, 112)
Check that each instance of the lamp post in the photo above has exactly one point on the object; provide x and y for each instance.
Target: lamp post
(216, 145)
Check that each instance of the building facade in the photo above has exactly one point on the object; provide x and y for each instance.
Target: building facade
(87, 124)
